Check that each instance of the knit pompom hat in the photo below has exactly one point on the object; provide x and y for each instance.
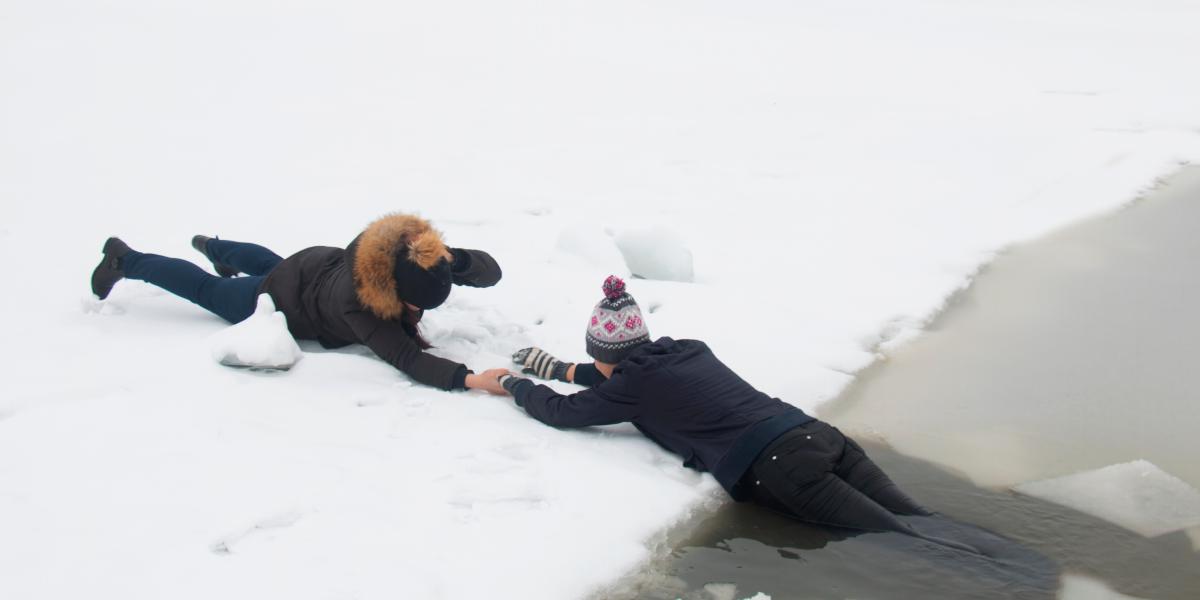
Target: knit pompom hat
(616, 326)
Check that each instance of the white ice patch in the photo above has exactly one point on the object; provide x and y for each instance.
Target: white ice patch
(1136, 495)
(593, 245)
(1075, 587)
(721, 591)
(656, 253)
(261, 341)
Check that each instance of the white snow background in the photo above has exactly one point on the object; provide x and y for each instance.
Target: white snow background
(834, 169)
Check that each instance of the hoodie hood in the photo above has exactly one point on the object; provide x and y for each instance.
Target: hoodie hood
(373, 257)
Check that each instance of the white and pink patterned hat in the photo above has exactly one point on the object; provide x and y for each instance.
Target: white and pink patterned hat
(616, 326)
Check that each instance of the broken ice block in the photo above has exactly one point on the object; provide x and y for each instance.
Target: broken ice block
(1136, 495)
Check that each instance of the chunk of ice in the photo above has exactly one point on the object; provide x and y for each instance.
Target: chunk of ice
(261, 341)
(592, 244)
(1075, 587)
(1136, 495)
(721, 591)
(656, 253)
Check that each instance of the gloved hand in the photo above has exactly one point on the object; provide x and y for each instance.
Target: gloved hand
(509, 383)
(474, 268)
(536, 361)
(461, 260)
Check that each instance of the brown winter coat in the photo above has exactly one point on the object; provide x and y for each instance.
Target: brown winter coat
(340, 297)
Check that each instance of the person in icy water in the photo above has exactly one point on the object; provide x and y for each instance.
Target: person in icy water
(373, 292)
(680, 395)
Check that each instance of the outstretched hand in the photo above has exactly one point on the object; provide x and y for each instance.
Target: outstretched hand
(535, 361)
(489, 381)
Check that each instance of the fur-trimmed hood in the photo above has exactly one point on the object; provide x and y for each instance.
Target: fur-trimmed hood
(372, 259)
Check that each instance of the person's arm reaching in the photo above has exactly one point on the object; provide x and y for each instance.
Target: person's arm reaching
(388, 340)
(474, 268)
(586, 374)
(535, 361)
(599, 406)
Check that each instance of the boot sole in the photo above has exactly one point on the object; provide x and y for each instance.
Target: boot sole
(103, 279)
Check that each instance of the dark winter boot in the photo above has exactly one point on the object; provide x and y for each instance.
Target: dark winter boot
(200, 243)
(108, 272)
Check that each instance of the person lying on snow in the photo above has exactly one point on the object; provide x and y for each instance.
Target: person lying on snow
(373, 292)
(680, 395)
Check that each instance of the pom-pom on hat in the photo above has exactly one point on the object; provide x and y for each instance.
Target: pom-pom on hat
(616, 326)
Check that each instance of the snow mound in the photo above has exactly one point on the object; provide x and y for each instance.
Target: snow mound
(656, 253)
(261, 341)
(1136, 495)
(593, 245)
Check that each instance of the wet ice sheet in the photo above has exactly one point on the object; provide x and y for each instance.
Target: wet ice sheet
(1136, 495)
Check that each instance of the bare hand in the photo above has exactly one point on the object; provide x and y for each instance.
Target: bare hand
(489, 381)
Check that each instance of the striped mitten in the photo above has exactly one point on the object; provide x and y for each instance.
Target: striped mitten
(536, 361)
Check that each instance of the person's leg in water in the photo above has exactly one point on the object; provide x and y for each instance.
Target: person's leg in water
(232, 299)
(797, 475)
(858, 470)
(230, 258)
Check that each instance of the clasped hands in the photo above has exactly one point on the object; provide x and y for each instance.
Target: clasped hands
(533, 361)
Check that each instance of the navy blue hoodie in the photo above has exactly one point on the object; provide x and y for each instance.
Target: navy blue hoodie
(680, 395)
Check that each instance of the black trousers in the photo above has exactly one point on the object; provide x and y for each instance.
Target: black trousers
(816, 474)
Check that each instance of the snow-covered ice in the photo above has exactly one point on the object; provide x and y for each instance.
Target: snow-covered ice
(592, 245)
(656, 253)
(1136, 495)
(261, 341)
(835, 169)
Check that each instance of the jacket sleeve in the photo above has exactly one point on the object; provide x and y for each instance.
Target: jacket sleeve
(587, 375)
(602, 405)
(474, 268)
(390, 342)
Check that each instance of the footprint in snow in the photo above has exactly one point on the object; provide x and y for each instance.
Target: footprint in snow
(415, 406)
(369, 400)
(473, 509)
(263, 527)
(499, 481)
(94, 306)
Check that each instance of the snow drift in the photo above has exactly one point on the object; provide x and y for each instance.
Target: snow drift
(261, 341)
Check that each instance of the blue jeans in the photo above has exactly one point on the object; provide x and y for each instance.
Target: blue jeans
(231, 298)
